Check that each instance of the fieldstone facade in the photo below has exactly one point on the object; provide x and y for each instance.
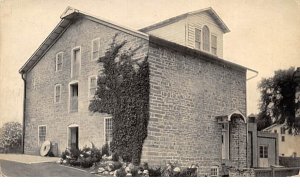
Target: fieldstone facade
(187, 93)
(42, 78)
(188, 90)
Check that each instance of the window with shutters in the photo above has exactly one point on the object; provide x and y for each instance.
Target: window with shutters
(57, 93)
(205, 36)
(214, 44)
(197, 39)
(92, 86)
(42, 132)
(95, 49)
(108, 129)
(59, 61)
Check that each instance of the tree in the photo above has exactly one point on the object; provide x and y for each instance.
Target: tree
(277, 101)
(123, 92)
(11, 136)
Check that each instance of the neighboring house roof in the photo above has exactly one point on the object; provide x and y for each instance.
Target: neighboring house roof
(66, 20)
(209, 10)
(273, 126)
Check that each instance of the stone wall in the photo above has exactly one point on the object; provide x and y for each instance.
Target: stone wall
(40, 82)
(186, 95)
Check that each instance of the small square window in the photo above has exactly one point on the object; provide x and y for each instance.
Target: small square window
(214, 171)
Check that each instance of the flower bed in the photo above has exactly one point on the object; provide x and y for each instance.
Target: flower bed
(101, 163)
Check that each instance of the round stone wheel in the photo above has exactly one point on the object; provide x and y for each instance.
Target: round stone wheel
(45, 148)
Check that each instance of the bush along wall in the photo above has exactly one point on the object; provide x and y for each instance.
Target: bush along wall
(123, 92)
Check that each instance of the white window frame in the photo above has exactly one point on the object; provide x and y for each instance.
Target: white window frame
(216, 168)
(56, 61)
(92, 49)
(105, 127)
(59, 93)
(89, 85)
(71, 83)
(72, 59)
(39, 133)
(264, 150)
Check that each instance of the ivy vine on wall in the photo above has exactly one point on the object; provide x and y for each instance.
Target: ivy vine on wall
(123, 92)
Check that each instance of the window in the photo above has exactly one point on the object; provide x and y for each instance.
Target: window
(57, 93)
(42, 133)
(74, 97)
(275, 131)
(282, 130)
(214, 44)
(92, 86)
(95, 49)
(108, 130)
(263, 151)
(214, 171)
(205, 36)
(198, 39)
(75, 62)
(59, 61)
(282, 138)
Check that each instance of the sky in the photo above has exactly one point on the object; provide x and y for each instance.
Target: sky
(265, 35)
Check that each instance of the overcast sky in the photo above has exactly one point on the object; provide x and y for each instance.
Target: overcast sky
(265, 35)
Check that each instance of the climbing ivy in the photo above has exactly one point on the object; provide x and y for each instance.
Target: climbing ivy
(123, 92)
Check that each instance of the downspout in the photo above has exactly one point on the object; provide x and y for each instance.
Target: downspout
(246, 120)
(23, 75)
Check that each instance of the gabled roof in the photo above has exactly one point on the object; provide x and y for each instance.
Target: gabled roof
(209, 10)
(66, 20)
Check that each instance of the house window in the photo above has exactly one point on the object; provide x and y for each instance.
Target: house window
(282, 130)
(214, 44)
(74, 97)
(282, 138)
(75, 62)
(42, 133)
(57, 93)
(59, 61)
(95, 49)
(205, 36)
(214, 171)
(92, 86)
(263, 151)
(198, 39)
(108, 130)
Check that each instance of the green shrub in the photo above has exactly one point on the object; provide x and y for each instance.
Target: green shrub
(11, 137)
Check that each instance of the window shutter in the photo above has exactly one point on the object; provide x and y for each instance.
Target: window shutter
(190, 36)
(214, 44)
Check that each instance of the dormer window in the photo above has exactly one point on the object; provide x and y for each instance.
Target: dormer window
(205, 36)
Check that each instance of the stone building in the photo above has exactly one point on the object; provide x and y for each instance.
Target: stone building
(197, 99)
